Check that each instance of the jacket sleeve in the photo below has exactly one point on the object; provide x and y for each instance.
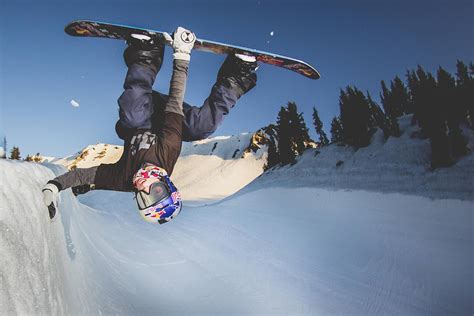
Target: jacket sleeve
(112, 177)
(74, 178)
(170, 136)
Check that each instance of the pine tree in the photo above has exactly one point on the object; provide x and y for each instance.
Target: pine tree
(423, 92)
(28, 158)
(299, 132)
(15, 153)
(272, 157)
(436, 121)
(452, 111)
(392, 104)
(413, 87)
(318, 125)
(464, 92)
(377, 117)
(336, 130)
(355, 117)
(400, 97)
(285, 150)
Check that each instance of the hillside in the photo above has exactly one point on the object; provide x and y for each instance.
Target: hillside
(397, 165)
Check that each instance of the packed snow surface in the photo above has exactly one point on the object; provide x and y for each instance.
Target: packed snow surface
(313, 238)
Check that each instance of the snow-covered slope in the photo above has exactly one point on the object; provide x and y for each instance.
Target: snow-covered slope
(398, 165)
(291, 242)
(214, 168)
(92, 155)
(268, 251)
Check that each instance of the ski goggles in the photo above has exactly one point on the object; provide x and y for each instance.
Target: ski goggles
(158, 192)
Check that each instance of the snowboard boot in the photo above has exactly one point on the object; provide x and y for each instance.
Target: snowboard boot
(239, 73)
(144, 52)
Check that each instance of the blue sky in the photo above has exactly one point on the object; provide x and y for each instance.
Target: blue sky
(349, 42)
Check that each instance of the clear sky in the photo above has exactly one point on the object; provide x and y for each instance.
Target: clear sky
(349, 42)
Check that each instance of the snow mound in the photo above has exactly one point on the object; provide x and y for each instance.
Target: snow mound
(399, 165)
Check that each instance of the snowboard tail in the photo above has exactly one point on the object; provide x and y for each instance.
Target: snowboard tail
(84, 28)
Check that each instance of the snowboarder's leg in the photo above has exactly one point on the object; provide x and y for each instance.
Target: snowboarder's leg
(235, 78)
(144, 60)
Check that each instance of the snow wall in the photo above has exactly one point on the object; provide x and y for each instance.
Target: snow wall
(269, 250)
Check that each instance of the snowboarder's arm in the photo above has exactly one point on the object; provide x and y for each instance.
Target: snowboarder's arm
(104, 177)
(74, 178)
(170, 137)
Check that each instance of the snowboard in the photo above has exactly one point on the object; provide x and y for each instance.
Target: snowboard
(84, 28)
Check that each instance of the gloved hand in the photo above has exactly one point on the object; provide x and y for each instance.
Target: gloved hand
(51, 198)
(182, 43)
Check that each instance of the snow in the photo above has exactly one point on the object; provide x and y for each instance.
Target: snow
(141, 37)
(2, 152)
(312, 238)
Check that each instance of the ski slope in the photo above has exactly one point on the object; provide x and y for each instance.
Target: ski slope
(285, 244)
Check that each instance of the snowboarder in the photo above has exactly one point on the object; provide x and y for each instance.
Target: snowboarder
(153, 125)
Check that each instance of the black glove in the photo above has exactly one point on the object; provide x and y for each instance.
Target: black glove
(144, 52)
(82, 189)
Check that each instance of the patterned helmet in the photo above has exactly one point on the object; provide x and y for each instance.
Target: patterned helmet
(157, 198)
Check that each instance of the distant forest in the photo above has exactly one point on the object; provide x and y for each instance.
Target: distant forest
(440, 106)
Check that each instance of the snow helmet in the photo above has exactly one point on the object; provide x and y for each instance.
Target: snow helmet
(158, 199)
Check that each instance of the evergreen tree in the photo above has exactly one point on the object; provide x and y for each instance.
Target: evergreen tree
(285, 150)
(299, 136)
(452, 111)
(400, 97)
(392, 105)
(355, 117)
(377, 117)
(28, 158)
(318, 125)
(436, 120)
(273, 156)
(15, 153)
(413, 87)
(336, 130)
(423, 92)
(464, 92)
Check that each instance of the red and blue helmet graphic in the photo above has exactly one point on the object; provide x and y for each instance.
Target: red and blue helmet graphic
(165, 209)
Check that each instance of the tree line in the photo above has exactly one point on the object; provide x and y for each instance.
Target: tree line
(15, 153)
(439, 105)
